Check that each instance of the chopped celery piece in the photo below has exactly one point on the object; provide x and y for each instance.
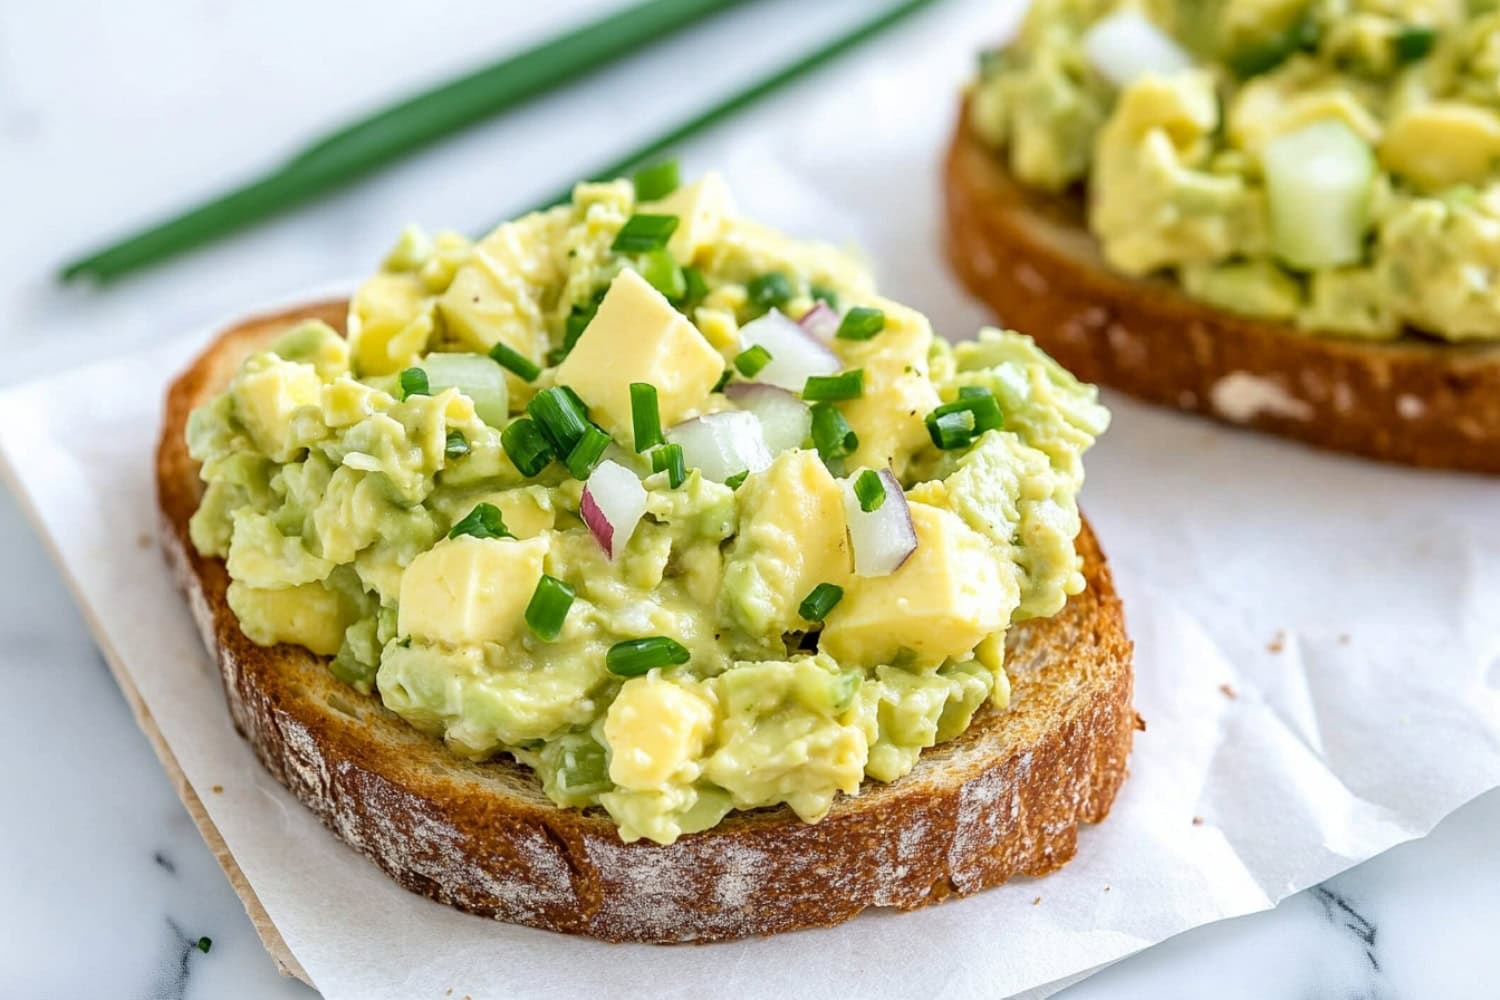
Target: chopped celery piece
(1318, 182)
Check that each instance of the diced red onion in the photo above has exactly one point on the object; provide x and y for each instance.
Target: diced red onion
(820, 321)
(613, 502)
(722, 444)
(1126, 46)
(883, 538)
(785, 421)
(795, 353)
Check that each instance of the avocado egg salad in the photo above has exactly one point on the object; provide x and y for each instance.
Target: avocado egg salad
(1334, 164)
(669, 507)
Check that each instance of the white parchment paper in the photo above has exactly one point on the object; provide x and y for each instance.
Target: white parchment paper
(1318, 643)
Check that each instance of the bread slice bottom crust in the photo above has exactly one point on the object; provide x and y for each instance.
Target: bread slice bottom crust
(1029, 257)
(1004, 799)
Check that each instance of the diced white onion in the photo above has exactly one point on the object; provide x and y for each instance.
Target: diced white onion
(723, 444)
(1126, 46)
(795, 353)
(613, 502)
(785, 421)
(883, 538)
(821, 321)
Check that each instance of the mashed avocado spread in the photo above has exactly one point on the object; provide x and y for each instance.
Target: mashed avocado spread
(1330, 163)
(665, 505)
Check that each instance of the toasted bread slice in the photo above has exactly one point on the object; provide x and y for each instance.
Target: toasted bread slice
(1030, 257)
(1003, 799)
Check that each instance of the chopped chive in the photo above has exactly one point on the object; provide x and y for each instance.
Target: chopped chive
(203, 944)
(514, 361)
(587, 452)
(656, 181)
(831, 433)
(662, 273)
(561, 416)
(957, 424)
(414, 383)
(695, 287)
(549, 606)
(572, 330)
(769, 291)
(643, 233)
(816, 605)
(869, 488)
(484, 521)
(645, 417)
(669, 459)
(634, 657)
(830, 388)
(1413, 42)
(723, 380)
(861, 323)
(824, 294)
(988, 413)
(579, 317)
(527, 446)
(1302, 35)
(751, 360)
(737, 480)
(951, 430)
(456, 444)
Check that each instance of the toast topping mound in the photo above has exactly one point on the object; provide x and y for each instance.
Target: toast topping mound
(1333, 165)
(671, 509)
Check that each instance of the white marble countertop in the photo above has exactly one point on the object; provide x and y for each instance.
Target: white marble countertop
(111, 114)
